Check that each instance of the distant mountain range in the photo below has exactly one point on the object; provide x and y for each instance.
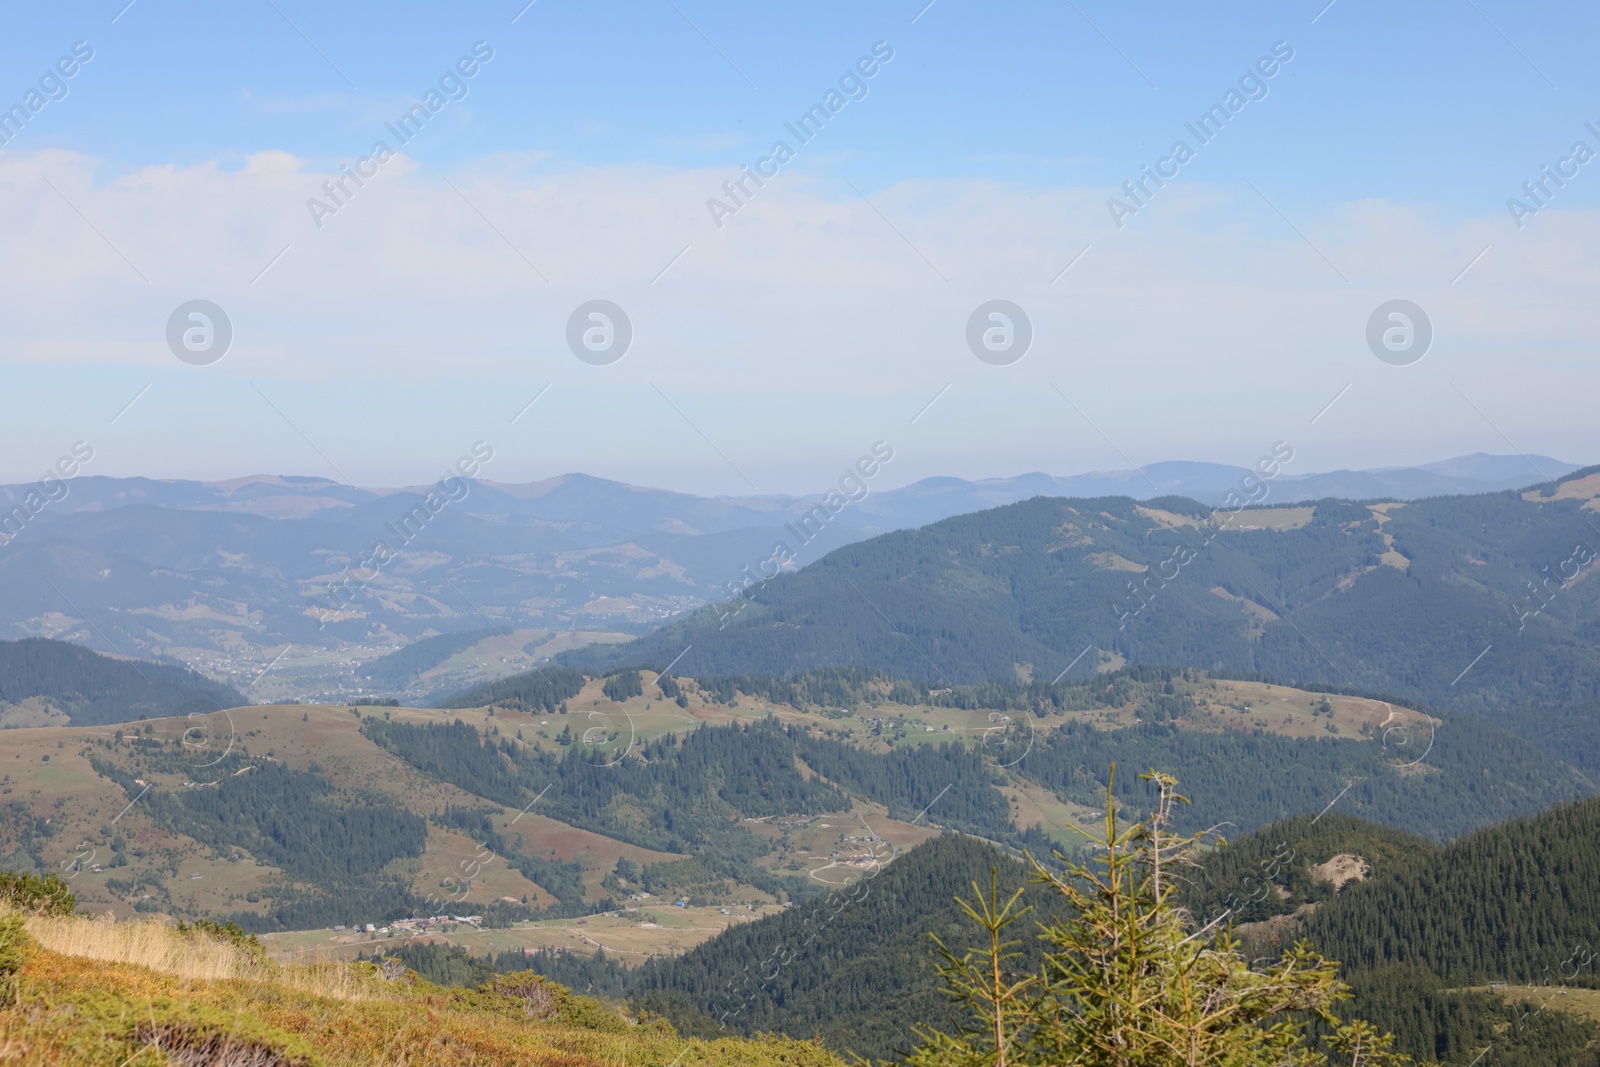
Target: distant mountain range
(233, 577)
(614, 508)
(933, 499)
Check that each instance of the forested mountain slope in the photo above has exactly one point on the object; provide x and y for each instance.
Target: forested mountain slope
(299, 816)
(855, 968)
(1519, 901)
(1478, 603)
(1249, 753)
(1275, 869)
(1421, 930)
(224, 575)
(89, 689)
(578, 793)
(1422, 923)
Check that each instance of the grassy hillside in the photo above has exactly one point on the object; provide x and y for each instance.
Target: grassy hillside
(298, 817)
(44, 682)
(95, 992)
(399, 668)
(852, 969)
(284, 816)
(1249, 752)
(1397, 598)
(309, 818)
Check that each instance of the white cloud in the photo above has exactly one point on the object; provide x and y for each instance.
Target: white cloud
(811, 323)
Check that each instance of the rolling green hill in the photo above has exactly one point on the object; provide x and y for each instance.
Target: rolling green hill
(574, 793)
(43, 681)
(1480, 604)
(403, 665)
(1249, 752)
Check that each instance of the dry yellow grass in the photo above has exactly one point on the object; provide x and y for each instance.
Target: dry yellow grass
(159, 947)
(1585, 488)
(151, 944)
(1291, 518)
(97, 1009)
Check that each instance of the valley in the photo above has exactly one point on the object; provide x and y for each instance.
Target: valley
(628, 938)
(232, 578)
(122, 809)
(615, 813)
(771, 535)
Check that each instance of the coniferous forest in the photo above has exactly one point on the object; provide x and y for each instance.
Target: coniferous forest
(856, 967)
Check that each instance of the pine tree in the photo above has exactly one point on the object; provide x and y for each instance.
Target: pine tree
(1126, 981)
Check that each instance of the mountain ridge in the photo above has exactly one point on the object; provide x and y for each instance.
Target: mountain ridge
(1205, 481)
(237, 577)
(1410, 599)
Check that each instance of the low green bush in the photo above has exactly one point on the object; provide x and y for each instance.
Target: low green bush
(36, 895)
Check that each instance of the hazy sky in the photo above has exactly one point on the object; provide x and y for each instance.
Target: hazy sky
(376, 336)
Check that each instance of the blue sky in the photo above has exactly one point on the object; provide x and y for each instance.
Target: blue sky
(827, 313)
(1423, 103)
